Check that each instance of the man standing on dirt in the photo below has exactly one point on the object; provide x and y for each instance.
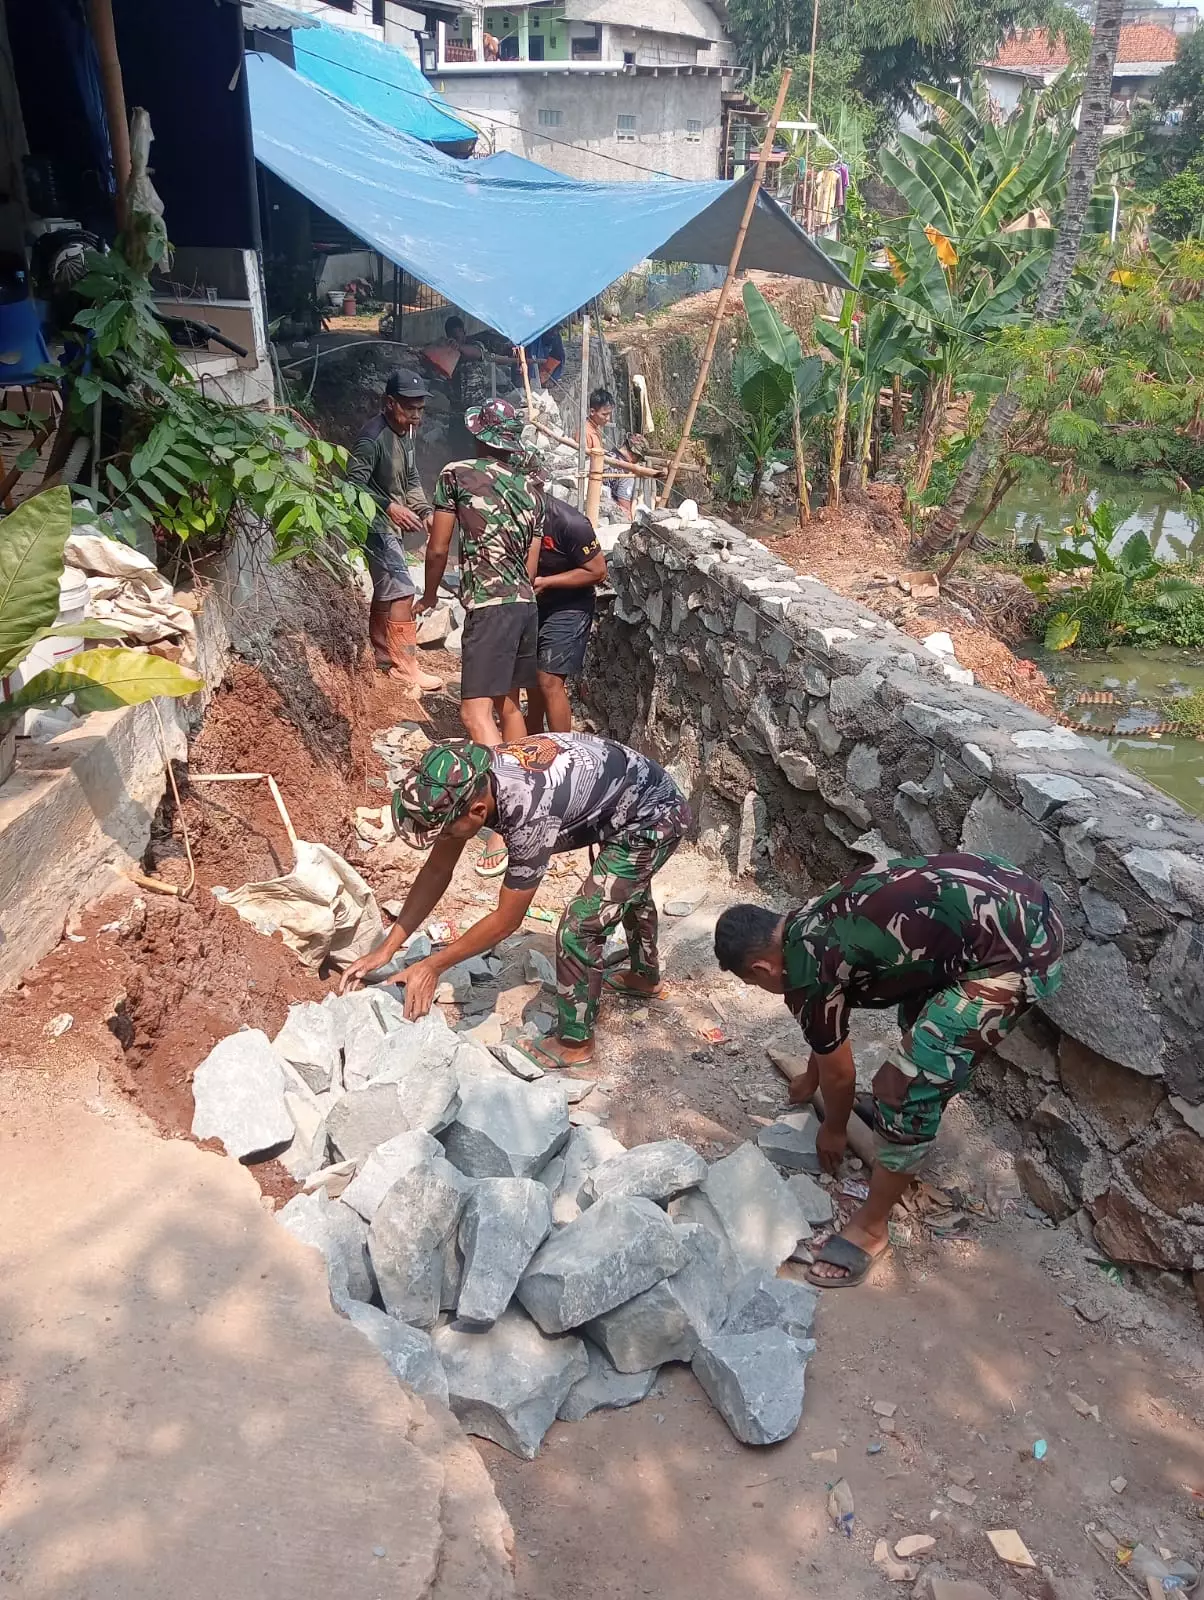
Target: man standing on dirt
(544, 795)
(383, 463)
(569, 568)
(962, 944)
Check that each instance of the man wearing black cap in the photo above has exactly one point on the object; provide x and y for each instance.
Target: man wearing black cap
(383, 464)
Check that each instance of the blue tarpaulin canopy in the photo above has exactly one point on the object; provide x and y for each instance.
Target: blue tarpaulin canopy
(505, 164)
(381, 80)
(522, 255)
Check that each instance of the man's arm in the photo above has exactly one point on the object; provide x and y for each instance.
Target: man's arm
(422, 979)
(413, 494)
(426, 891)
(437, 546)
(361, 469)
(533, 550)
(838, 1084)
(587, 577)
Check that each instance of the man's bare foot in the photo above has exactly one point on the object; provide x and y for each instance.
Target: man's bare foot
(552, 1052)
(634, 983)
(874, 1241)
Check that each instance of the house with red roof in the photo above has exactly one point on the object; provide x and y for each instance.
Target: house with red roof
(1030, 57)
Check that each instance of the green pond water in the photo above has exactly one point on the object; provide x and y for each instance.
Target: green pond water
(1141, 680)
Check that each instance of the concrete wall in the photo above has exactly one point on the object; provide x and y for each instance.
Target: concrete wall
(589, 107)
(813, 737)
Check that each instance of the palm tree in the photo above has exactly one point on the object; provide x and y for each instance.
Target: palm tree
(1084, 159)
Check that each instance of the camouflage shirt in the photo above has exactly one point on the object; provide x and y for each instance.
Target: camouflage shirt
(499, 513)
(913, 927)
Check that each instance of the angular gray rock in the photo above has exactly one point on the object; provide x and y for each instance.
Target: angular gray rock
(429, 1097)
(613, 1251)
(652, 1171)
(604, 1389)
(307, 1153)
(504, 1223)
(1044, 792)
(1098, 1004)
(505, 1128)
(537, 968)
(409, 1237)
(587, 1148)
(814, 1202)
(309, 1040)
(508, 1384)
(365, 1118)
(238, 1095)
(761, 1301)
(747, 1202)
(408, 1352)
(790, 1142)
(363, 1034)
(334, 1229)
(755, 1381)
(666, 1322)
(380, 1170)
(428, 1045)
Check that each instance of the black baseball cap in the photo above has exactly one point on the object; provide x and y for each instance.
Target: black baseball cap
(403, 385)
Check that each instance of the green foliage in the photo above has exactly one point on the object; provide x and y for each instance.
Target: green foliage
(1187, 713)
(1179, 203)
(1182, 86)
(184, 461)
(32, 539)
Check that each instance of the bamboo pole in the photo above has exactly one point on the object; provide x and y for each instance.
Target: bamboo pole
(583, 413)
(800, 468)
(808, 186)
(104, 35)
(593, 493)
(522, 361)
(252, 777)
(733, 267)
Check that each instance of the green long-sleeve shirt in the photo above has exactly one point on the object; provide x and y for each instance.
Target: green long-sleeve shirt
(383, 463)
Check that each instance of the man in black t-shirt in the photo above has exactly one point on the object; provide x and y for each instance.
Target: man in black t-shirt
(570, 567)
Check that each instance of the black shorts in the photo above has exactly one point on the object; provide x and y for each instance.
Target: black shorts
(498, 650)
(564, 639)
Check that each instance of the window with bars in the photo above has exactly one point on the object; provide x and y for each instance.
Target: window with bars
(626, 129)
(550, 119)
(693, 130)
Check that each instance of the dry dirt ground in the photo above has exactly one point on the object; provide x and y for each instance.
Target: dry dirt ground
(974, 1338)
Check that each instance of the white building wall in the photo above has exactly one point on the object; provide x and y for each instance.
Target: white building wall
(649, 49)
(584, 142)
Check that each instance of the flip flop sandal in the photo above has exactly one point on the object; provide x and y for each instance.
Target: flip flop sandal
(842, 1252)
(500, 858)
(545, 1055)
(636, 996)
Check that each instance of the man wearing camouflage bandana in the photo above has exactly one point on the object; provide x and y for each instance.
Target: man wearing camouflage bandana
(962, 944)
(498, 513)
(546, 794)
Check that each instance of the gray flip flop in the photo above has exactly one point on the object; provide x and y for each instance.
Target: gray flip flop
(842, 1252)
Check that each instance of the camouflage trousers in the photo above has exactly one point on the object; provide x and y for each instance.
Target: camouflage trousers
(619, 888)
(944, 1034)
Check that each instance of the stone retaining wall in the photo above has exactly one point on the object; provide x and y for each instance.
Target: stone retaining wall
(813, 736)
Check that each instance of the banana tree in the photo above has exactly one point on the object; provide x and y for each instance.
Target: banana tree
(780, 346)
(32, 541)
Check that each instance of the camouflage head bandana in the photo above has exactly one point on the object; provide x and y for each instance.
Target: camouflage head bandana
(496, 423)
(438, 789)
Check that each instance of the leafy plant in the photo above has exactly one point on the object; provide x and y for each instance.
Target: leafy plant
(781, 350)
(32, 539)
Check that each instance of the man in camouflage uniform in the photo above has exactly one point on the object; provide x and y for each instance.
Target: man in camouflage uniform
(963, 945)
(498, 513)
(544, 795)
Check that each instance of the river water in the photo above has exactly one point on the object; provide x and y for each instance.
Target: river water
(1142, 681)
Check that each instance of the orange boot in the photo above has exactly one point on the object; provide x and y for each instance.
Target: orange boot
(403, 647)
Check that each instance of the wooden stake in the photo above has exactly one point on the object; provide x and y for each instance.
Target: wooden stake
(583, 412)
(800, 469)
(104, 35)
(522, 361)
(808, 186)
(593, 493)
(733, 267)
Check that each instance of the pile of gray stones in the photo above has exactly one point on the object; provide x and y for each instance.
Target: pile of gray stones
(503, 1251)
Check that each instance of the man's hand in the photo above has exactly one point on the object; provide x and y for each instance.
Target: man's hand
(427, 603)
(354, 975)
(405, 519)
(421, 980)
(802, 1088)
(830, 1145)
(539, 584)
(890, 1085)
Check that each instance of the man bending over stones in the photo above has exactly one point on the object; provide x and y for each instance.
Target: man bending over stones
(962, 944)
(543, 795)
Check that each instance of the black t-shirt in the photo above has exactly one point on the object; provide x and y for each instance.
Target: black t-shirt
(568, 542)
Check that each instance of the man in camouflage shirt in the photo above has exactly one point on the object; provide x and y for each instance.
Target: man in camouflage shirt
(546, 794)
(963, 945)
(498, 513)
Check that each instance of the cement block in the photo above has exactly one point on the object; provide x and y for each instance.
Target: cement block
(309, 1040)
(409, 1236)
(666, 1322)
(508, 1384)
(653, 1171)
(604, 1389)
(613, 1251)
(238, 1095)
(380, 1170)
(504, 1223)
(755, 1381)
(505, 1128)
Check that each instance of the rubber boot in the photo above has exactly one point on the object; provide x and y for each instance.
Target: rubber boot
(403, 645)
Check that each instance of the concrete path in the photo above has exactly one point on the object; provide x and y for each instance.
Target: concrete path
(180, 1412)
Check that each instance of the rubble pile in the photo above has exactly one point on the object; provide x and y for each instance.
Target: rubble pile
(503, 1261)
